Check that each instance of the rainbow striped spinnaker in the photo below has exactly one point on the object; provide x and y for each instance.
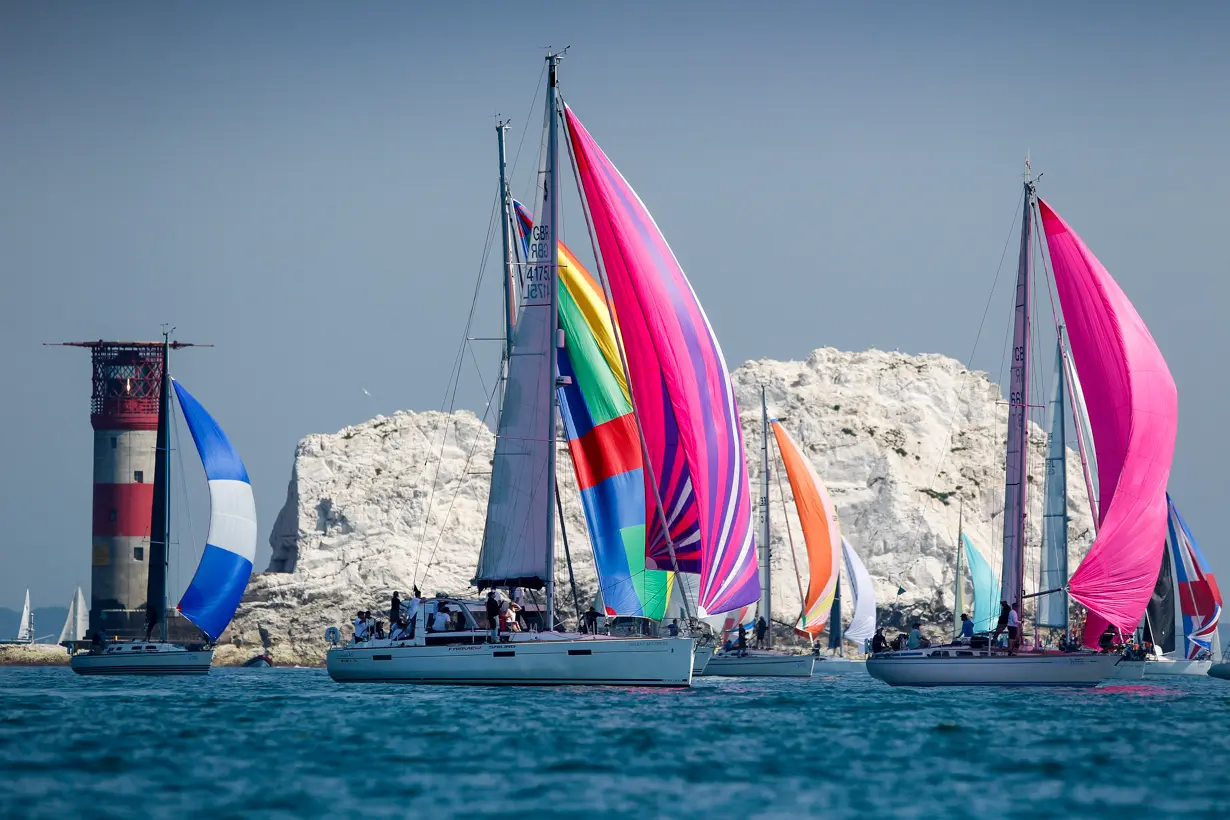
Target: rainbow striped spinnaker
(603, 442)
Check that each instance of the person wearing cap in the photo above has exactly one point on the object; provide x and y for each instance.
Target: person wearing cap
(967, 628)
(360, 626)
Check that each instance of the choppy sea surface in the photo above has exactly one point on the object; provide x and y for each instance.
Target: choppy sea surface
(283, 743)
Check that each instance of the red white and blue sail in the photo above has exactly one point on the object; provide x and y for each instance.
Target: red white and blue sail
(681, 391)
(230, 548)
(1199, 597)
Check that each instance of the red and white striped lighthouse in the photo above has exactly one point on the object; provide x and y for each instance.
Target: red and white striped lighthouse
(127, 379)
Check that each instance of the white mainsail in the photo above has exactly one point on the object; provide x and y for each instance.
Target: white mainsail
(78, 620)
(25, 629)
(516, 539)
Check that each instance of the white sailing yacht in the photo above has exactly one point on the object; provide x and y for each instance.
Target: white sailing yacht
(1132, 411)
(77, 622)
(216, 588)
(25, 626)
(518, 547)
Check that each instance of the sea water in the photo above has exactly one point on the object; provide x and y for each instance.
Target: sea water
(283, 743)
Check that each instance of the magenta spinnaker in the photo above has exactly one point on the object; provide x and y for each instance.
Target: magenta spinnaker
(1133, 413)
(681, 390)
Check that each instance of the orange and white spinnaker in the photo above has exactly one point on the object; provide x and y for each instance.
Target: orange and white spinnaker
(818, 518)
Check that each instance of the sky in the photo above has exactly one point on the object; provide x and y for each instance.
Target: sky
(308, 186)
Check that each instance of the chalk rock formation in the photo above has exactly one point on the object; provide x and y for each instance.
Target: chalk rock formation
(902, 442)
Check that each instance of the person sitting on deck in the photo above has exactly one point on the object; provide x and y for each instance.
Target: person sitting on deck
(493, 615)
(360, 626)
(440, 621)
(673, 628)
(510, 616)
(967, 628)
(380, 630)
(915, 639)
(878, 642)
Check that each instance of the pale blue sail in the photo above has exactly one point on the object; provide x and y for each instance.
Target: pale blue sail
(986, 608)
(230, 548)
(1053, 565)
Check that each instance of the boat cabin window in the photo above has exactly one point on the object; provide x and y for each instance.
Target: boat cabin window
(151, 647)
(965, 654)
(138, 553)
(138, 476)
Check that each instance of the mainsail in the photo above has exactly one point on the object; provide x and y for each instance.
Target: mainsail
(818, 519)
(1159, 613)
(1053, 566)
(603, 442)
(985, 586)
(230, 547)
(681, 391)
(863, 623)
(1199, 597)
(25, 628)
(1133, 413)
(1017, 462)
(517, 547)
(76, 624)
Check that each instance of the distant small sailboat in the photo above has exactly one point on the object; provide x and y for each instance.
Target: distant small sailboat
(1132, 410)
(25, 626)
(77, 623)
(216, 588)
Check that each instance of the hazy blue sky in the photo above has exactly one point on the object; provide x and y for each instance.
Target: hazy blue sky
(307, 186)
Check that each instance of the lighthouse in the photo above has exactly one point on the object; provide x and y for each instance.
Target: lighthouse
(127, 380)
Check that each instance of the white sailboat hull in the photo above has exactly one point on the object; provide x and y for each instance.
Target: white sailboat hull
(161, 659)
(837, 666)
(1176, 666)
(700, 659)
(531, 662)
(1129, 670)
(944, 667)
(760, 665)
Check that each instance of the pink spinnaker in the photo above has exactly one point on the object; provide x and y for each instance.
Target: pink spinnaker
(685, 403)
(1133, 412)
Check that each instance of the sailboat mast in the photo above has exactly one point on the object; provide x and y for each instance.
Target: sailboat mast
(551, 264)
(501, 129)
(165, 407)
(766, 586)
(958, 599)
(1017, 460)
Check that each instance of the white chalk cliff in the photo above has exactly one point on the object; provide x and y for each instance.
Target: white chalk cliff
(901, 441)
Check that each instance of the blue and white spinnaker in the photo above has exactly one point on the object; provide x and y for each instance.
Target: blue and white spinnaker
(230, 548)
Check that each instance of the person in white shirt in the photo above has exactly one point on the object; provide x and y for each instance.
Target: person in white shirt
(440, 622)
(1014, 629)
(410, 612)
(360, 626)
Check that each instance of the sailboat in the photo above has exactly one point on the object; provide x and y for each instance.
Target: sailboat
(25, 627)
(1132, 408)
(220, 579)
(1186, 592)
(822, 536)
(77, 622)
(691, 471)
